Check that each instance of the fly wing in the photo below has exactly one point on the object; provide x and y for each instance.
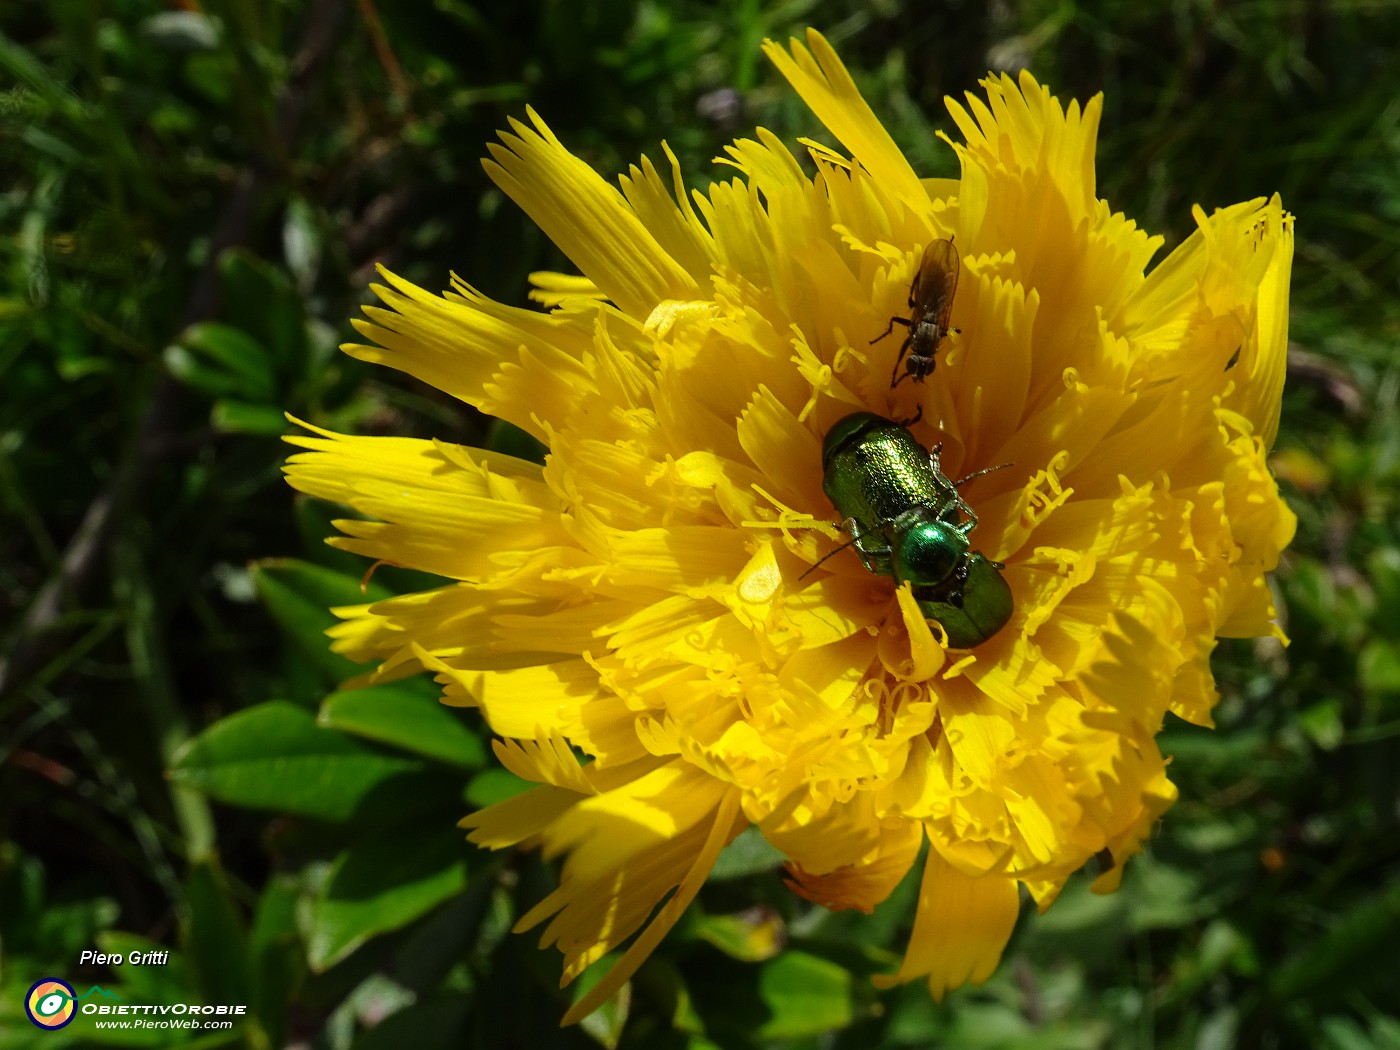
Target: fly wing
(937, 282)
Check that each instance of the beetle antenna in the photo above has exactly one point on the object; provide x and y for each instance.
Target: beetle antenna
(978, 473)
(918, 415)
(813, 567)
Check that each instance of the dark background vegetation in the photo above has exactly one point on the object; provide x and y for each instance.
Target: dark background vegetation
(192, 200)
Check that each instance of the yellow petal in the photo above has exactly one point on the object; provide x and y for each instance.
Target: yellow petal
(589, 220)
(819, 76)
(960, 929)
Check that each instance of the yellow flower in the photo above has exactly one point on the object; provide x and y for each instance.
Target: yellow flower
(636, 621)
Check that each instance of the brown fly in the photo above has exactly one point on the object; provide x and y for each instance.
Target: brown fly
(930, 306)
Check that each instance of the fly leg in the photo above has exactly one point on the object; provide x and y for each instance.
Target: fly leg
(895, 377)
(890, 327)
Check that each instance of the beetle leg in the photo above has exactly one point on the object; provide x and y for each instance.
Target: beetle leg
(875, 560)
(968, 512)
(971, 514)
(956, 499)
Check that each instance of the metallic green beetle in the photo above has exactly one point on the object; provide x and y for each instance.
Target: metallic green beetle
(907, 521)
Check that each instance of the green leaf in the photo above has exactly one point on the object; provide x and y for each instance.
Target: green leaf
(511, 440)
(269, 307)
(1355, 953)
(605, 1024)
(319, 586)
(409, 715)
(805, 995)
(749, 854)
(495, 785)
(274, 756)
(1322, 722)
(275, 951)
(1344, 1033)
(383, 883)
(1383, 574)
(182, 31)
(792, 995)
(21, 898)
(428, 1024)
(1164, 897)
(241, 417)
(301, 242)
(146, 983)
(299, 596)
(752, 937)
(53, 146)
(219, 360)
(1379, 666)
(215, 937)
(65, 929)
(314, 519)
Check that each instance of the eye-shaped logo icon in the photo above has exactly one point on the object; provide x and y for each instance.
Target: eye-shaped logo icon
(50, 1003)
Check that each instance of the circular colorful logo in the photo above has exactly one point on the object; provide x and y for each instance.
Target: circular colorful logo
(50, 1003)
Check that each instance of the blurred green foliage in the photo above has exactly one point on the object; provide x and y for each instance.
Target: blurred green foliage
(195, 198)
